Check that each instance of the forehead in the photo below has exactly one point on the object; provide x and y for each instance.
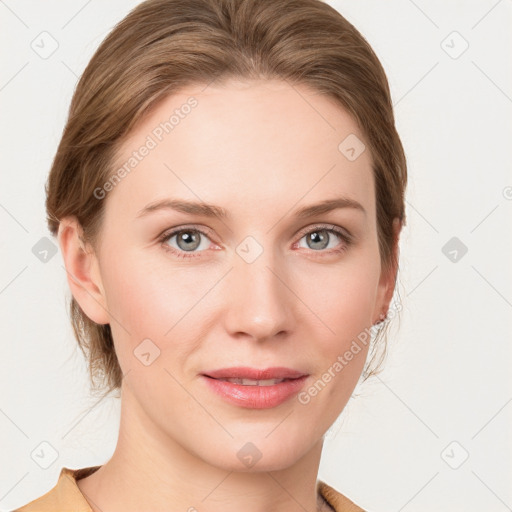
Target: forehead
(252, 144)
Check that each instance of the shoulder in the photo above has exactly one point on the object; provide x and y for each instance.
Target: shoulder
(66, 494)
(336, 500)
(63, 495)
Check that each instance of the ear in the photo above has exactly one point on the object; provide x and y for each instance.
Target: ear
(387, 280)
(82, 269)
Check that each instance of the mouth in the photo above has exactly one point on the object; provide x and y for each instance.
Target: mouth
(253, 376)
(253, 388)
(252, 382)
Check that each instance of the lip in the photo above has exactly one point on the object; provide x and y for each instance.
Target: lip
(245, 372)
(255, 397)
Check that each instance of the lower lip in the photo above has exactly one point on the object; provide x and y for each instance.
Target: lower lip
(256, 397)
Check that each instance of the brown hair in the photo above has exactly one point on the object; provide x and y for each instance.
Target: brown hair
(164, 45)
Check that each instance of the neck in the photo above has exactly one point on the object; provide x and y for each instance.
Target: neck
(151, 471)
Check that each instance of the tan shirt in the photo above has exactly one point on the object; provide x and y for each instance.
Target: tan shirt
(66, 496)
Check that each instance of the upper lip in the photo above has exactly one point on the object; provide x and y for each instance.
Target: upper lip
(244, 372)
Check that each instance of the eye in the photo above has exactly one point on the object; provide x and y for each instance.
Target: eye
(185, 242)
(319, 238)
(189, 242)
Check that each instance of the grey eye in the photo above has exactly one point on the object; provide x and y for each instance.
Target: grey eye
(188, 240)
(319, 239)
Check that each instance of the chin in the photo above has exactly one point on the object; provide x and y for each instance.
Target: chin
(255, 454)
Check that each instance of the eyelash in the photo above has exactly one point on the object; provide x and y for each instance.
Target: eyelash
(347, 239)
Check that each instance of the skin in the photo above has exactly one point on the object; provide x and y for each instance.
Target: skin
(259, 149)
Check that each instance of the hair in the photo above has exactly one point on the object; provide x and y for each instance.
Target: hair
(162, 46)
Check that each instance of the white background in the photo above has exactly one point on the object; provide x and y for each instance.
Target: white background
(447, 377)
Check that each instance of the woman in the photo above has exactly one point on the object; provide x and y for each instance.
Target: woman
(260, 133)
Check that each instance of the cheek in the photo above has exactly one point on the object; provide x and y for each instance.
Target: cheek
(144, 291)
(150, 299)
(138, 299)
(343, 296)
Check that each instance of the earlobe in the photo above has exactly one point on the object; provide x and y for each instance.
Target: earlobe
(82, 271)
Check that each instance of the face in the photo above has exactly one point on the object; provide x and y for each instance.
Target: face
(259, 279)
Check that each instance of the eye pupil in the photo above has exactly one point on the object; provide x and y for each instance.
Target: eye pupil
(188, 237)
(319, 238)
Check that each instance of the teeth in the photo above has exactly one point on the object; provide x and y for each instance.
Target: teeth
(251, 382)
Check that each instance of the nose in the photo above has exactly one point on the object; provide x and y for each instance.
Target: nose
(259, 304)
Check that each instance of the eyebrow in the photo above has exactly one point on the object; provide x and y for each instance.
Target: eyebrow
(210, 210)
